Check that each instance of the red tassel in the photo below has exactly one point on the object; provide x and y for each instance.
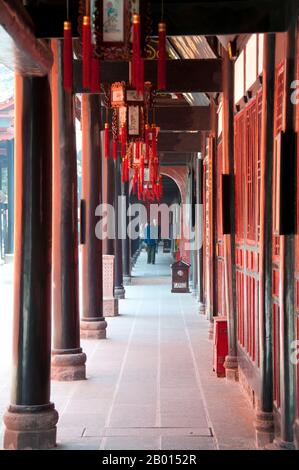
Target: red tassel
(86, 52)
(95, 74)
(140, 87)
(161, 81)
(134, 181)
(146, 143)
(127, 168)
(142, 168)
(106, 141)
(67, 56)
(123, 140)
(123, 170)
(154, 141)
(114, 149)
(136, 51)
(137, 151)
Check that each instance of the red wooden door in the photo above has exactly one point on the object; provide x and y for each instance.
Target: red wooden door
(221, 305)
(247, 184)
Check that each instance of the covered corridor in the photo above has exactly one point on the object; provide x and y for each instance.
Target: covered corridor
(150, 385)
(124, 115)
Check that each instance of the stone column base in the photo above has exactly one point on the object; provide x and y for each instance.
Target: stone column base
(231, 368)
(93, 329)
(30, 427)
(119, 292)
(279, 444)
(110, 307)
(296, 433)
(68, 367)
(202, 308)
(264, 428)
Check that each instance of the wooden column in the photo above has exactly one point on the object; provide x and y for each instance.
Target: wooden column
(231, 363)
(93, 324)
(10, 177)
(287, 264)
(108, 181)
(126, 241)
(119, 291)
(264, 417)
(31, 418)
(200, 221)
(68, 360)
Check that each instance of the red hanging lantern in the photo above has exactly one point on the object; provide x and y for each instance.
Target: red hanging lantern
(86, 40)
(161, 81)
(106, 141)
(67, 56)
(136, 51)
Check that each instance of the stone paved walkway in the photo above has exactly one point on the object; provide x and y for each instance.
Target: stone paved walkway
(150, 384)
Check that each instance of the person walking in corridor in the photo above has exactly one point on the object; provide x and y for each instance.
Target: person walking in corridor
(151, 241)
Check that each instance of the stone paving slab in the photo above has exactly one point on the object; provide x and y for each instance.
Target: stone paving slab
(150, 384)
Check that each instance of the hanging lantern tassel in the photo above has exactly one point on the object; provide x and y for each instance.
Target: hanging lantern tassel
(114, 149)
(95, 74)
(67, 56)
(140, 87)
(127, 168)
(106, 141)
(136, 52)
(154, 141)
(123, 140)
(147, 142)
(86, 39)
(162, 57)
(123, 170)
(142, 168)
(135, 179)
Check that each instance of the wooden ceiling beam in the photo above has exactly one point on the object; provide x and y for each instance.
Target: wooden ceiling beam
(183, 76)
(179, 142)
(19, 48)
(218, 17)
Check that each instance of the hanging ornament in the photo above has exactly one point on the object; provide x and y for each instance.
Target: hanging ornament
(106, 141)
(161, 81)
(95, 85)
(67, 56)
(147, 142)
(86, 39)
(142, 167)
(136, 52)
(123, 140)
(114, 149)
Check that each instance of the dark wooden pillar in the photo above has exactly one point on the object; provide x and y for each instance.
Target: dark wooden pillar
(10, 178)
(287, 263)
(31, 419)
(200, 221)
(231, 363)
(68, 360)
(264, 417)
(119, 291)
(126, 240)
(93, 324)
(108, 181)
